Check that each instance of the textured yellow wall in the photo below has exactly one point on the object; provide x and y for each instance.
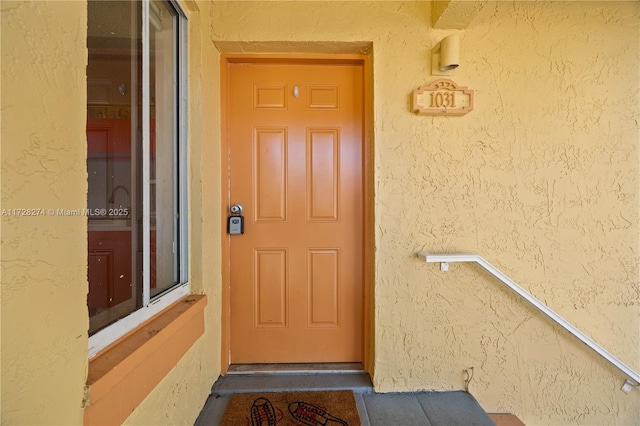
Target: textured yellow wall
(44, 267)
(541, 179)
(181, 395)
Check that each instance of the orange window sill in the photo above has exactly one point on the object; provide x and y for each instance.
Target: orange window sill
(122, 375)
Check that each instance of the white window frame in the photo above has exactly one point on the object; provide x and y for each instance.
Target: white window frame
(151, 307)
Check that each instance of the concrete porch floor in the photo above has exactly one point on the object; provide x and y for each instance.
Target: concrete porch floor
(455, 408)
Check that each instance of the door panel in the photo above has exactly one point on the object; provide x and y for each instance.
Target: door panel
(270, 280)
(323, 288)
(270, 174)
(295, 164)
(323, 166)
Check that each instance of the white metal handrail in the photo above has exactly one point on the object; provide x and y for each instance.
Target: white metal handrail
(451, 258)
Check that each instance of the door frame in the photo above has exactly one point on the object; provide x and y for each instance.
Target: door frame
(367, 176)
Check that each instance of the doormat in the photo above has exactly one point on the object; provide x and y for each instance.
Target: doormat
(334, 408)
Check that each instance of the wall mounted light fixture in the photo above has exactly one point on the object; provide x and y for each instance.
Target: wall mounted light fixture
(445, 56)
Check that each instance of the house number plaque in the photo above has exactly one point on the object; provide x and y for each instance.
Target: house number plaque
(442, 97)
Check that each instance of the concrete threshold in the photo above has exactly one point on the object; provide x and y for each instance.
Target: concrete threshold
(286, 382)
(317, 368)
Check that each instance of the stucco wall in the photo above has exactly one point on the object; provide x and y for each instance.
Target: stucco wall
(44, 258)
(44, 267)
(541, 179)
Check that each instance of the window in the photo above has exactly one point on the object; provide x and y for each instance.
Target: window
(136, 163)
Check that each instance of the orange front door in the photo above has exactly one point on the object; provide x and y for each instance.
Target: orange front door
(295, 137)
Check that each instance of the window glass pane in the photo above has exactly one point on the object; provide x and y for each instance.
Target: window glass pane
(113, 73)
(115, 160)
(164, 146)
